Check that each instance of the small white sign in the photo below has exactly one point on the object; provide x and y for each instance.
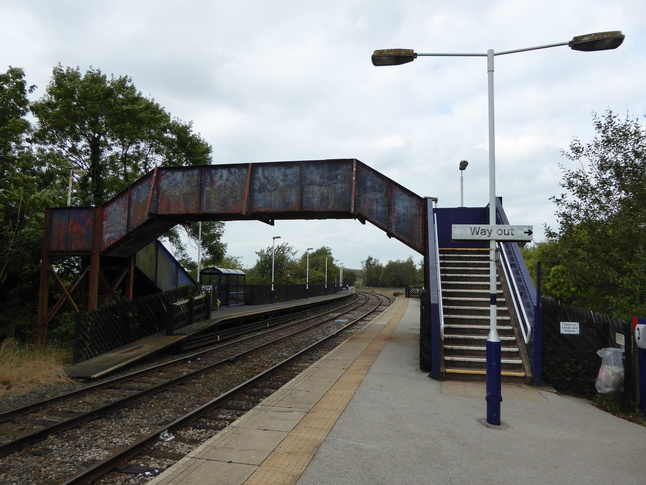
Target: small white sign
(471, 232)
(569, 328)
(620, 339)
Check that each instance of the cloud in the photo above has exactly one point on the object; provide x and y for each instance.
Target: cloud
(292, 80)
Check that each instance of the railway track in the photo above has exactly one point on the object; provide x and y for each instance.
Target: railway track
(127, 429)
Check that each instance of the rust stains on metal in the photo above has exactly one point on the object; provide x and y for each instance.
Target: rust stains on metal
(316, 189)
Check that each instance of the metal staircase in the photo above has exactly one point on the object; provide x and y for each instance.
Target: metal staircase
(465, 300)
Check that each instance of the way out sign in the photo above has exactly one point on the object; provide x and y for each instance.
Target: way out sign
(480, 232)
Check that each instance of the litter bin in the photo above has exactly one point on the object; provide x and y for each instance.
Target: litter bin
(610, 379)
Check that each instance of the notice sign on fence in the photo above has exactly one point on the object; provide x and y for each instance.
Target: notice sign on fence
(569, 328)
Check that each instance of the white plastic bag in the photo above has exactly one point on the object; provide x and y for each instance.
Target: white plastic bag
(611, 373)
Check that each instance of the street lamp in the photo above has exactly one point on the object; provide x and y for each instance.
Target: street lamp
(392, 57)
(307, 273)
(69, 186)
(326, 256)
(340, 273)
(273, 257)
(463, 167)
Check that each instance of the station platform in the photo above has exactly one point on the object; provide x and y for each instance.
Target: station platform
(366, 414)
(128, 354)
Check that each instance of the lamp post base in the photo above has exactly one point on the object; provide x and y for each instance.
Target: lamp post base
(494, 382)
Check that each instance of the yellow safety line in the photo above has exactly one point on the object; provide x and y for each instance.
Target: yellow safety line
(288, 461)
(484, 372)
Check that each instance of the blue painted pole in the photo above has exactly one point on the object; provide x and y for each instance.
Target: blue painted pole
(494, 382)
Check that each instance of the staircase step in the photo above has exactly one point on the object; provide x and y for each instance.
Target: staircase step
(458, 326)
(465, 336)
(460, 308)
(484, 277)
(478, 372)
(499, 318)
(468, 285)
(481, 360)
(468, 267)
(482, 348)
(453, 299)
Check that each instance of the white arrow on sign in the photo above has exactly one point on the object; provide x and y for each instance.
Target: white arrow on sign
(481, 232)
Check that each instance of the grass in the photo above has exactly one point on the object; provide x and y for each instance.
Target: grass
(611, 404)
(385, 291)
(24, 367)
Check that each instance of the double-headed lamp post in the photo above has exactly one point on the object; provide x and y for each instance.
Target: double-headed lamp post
(273, 257)
(307, 273)
(392, 57)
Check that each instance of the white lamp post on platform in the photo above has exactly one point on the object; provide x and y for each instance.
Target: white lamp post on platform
(307, 273)
(273, 257)
(463, 167)
(326, 274)
(392, 57)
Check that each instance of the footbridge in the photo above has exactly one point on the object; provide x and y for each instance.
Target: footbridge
(109, 237)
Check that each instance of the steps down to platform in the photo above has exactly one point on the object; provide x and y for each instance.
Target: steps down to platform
(465, 300)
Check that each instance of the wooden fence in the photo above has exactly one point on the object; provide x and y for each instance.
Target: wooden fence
(123, 322)
(570, 362)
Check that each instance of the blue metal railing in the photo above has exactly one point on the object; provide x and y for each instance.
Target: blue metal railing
(522, 294)
(520, 282)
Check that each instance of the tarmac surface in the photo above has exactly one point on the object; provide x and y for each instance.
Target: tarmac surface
(366, 414)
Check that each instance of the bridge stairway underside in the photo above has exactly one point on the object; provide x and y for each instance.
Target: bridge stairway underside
(465, 300)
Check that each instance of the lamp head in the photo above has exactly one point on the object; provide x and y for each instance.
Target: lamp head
(599, 41)
(392, 57)
(463, 164)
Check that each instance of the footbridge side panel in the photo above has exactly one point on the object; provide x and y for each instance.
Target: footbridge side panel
(267, 191)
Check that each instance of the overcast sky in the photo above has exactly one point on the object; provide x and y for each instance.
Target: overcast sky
(280, 80)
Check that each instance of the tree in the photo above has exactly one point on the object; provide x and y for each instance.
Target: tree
(372, 271)
(398, 273)
(26, 189)
(601, 238)
(107, 128)
(90, 122)
(318, 259)
(349, 277)
(283, 259)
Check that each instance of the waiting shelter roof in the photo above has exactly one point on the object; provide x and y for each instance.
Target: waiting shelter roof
(214, 270)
